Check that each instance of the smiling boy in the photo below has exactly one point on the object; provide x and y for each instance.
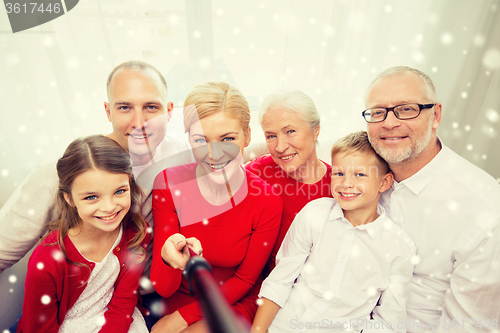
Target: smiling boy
(343, 256)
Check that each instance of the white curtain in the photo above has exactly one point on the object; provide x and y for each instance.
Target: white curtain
(52, 77)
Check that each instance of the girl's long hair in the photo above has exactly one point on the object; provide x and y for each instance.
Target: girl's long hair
(102, 153)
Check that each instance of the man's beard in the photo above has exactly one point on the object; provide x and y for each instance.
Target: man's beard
(397, 155)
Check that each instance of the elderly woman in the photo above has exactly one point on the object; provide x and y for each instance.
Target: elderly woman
(290, 122)
(214, 204)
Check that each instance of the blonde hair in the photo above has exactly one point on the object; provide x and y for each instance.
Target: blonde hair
(212, 97)
(357, 142)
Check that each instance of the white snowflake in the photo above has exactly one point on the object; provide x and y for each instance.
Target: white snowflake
(371, 291)
(174, 19)
(418, 57)
(388, 224)
(491, 59)
(447, 38)
(492, 115)
(415, 259)
(309, 268)
(101, 321)
(328, 295)
(479, 40)
(452, 205)
(73, 62)
(204, 62)
(57, 255)
(145, 283)
(45, 299)
(328, 30)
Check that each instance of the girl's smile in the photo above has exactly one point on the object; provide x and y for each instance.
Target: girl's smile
(101, 198)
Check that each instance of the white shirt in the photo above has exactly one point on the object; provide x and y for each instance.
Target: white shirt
(450, 208)
(341, 271)
(87, 314)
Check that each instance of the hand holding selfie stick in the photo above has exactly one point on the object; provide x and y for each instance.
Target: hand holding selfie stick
(218, 314)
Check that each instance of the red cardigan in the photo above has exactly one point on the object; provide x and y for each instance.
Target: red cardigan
(53, 285)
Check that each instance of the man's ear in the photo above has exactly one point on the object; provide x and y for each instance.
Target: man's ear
(108, 110)
(386, 182)
(437, 115)
(170, 109)
(67, 197)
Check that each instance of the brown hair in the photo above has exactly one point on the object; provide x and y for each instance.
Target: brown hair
(357, 142)
(209, 98)
(102, 153)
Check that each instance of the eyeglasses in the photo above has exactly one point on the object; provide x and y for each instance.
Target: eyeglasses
(403, 112)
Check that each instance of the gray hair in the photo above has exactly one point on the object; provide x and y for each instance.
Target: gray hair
(430, 90)
(292, 101)
(138, 66)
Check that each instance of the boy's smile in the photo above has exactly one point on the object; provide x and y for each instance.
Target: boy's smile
(357, 182)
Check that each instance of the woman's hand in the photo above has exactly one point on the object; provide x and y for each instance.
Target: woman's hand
(175, 251)
(172, 323)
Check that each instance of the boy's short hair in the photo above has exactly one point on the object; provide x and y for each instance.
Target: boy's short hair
(358, 142)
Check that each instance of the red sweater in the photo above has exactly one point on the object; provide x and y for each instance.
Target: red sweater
(294, 194)
(237, 237)
(49, 274)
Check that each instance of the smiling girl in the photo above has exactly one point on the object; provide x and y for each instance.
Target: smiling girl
(85, 273)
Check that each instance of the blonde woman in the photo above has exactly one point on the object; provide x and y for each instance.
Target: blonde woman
(214, 204)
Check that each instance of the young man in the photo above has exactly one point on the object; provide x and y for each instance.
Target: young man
(342, 257)
(138, 110)
(448, 207)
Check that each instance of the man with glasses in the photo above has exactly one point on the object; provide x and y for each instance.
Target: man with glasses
(448, 206)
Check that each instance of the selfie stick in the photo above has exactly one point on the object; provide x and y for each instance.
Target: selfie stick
(218, 314)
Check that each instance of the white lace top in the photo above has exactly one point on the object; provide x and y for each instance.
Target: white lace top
(87, 314)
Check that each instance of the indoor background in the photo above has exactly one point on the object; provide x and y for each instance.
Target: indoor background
(52, 77)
